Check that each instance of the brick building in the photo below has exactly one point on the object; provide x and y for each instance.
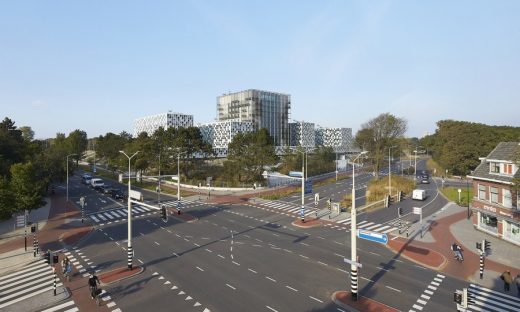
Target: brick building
(495, 203)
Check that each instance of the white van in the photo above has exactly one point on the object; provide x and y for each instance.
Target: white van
(419, 194)
(97, 183)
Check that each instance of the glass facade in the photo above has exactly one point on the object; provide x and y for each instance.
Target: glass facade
(265, 109)
(488, 222)
(511, 231)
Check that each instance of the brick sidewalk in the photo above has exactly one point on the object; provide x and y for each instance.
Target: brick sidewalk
(443, 238)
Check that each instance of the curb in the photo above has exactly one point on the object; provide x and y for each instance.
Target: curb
(307, 225)
(141, 269)
(437, 268)
(351, 309)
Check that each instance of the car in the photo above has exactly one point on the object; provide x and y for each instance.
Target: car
(425, 181)
(85, 178)
(97, 183)
(118, 194)
(106, 189)
(425, 176)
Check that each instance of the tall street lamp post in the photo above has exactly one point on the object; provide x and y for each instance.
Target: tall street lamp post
(390, 171)
(179, 181)
(67, 202)
(130, 252)
(353, 229)
(302, 211)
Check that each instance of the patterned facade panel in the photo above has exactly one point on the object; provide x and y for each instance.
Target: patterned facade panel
(340, 139)
(149, 124)
(264, 109)
(220, 134)
(302, 134)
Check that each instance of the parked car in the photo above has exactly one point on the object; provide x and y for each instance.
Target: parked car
(118, 194)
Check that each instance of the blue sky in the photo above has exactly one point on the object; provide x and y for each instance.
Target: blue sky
(98, 65)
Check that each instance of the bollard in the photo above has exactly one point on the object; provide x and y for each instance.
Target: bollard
(481, 264)
(54, 271)
(34, 245)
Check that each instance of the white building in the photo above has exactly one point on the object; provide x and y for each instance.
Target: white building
(149, 124)
(220, 134)
(340, 139)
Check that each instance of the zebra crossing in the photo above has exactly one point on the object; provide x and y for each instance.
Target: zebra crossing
(370, 226)
(292, 209)
(484, 299)
(115, 215)
(288, 208)
(34, 279)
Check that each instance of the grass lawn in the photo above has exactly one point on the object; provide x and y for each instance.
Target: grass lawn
(452, 194)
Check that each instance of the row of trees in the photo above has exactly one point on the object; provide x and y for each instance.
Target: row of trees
(28, 166)
(457, 145)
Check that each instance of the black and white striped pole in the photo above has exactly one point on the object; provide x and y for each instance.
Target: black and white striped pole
(34, 245)
(37, 248)
(481, 264)
(82, 204)
(130, 252)
(54, 285)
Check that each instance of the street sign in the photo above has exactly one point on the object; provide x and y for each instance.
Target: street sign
(335, 207)
(20, 221)
(417, 210)
(359, 265)
(373, 236)
(308, 187)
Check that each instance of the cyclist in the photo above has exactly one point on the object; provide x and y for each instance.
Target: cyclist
(93, 281)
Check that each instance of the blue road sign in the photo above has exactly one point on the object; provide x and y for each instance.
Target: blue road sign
(302, 212)
(373, 236)
(308, 187)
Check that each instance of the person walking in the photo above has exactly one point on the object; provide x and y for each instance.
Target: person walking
(506, 277)
(93, 281)
(517, 283)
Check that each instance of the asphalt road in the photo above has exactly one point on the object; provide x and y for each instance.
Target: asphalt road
(241, 258)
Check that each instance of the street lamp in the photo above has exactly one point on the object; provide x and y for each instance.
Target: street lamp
(130, 253)
(415, 165)
(67, 202)
(179, 181)
(390, 171)
(353, 226)
(302, 211)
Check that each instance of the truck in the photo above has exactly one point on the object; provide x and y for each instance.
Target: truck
(295, 174)
(419, 194)
(136, 195)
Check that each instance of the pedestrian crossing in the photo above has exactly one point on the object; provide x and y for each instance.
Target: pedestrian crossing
(34, 279)
(116, 215)
(484, 299)
(290, 209)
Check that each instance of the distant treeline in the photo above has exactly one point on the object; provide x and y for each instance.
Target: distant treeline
(457, 145)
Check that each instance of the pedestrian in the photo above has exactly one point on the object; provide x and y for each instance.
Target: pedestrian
(517, 282)
(93, 281)
(506, 277)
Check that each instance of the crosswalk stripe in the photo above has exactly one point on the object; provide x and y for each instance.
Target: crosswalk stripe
(373, 226)
(389, 230)
(344, 221)
(94, 218)
(294, 209)
(40, 270)
(108, 215)
(31, 294)
(27, 268)
(75, 309)
(139, 209)
(118, 213)
(365, 225)
(489, 298)
(113, 213)
(101, 217)
(123, 212)
(361, 222)
(58, 307)
(46, 277)
(382, 228)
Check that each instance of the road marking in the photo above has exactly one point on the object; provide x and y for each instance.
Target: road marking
(141, 234)
(271, 309)
(320, 237)
(196, 244)
(322, 263)
(208, 250)
(418, 307)
(316, 299)
(432, 288)
(425, 297)
(393, 288)
(304, 256)
(287, 250)
(230, 286)
(366, 279)
(236, 263)
(271, 279)
(157, 243)
(175, 254)
(251, 270)
(342, 256)
(293, 289)
(375, 254)
(344, 271)
(221, 256)
(429, 292)
(200, 269)
(140, 261)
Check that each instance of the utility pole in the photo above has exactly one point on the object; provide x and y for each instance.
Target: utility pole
(130, 252)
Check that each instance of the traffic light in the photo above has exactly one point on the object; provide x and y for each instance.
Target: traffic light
(164, 215)
(486, 245)
(47, 256)
(390, 200)
(33, 228)
(400, 211)
(457, 297)
(402, 195)
(467, 298)
(479, 246)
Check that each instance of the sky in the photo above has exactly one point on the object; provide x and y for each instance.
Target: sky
(98, 65)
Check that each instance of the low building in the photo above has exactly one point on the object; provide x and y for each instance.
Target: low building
(220, 134)
(302, 134)
(149, 124)
(495, 203)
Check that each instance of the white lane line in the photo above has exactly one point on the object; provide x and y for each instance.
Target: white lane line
(140, 261)
(157, 243)
(200, 269)
(322, 263)
(316, 299)
(230, 286)
(293, 289)
(304, 256)
(421, 302)
(271, 309)
(251, 270)
(236, 263)
(208, 250)
(271, 279)
(394, 289)
(221, 256)
(375, 254)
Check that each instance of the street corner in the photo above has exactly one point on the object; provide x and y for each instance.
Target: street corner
(421, 254)
(344, 299)
(185, 217)
(308, 223)
(119, 274)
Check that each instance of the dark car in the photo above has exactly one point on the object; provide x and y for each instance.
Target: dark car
(106, 189)
(117, 194)
(425, 181)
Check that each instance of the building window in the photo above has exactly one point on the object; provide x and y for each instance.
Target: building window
(494, 168)
(494, 195)
(507, 200)
(512, 231)
(482, 192)
(508, 169)
(488, 222)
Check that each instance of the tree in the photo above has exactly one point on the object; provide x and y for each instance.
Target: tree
(77, 143)
(12, 147)
(26, 187)
(378, 134)
(27, 133)
(6, 199)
